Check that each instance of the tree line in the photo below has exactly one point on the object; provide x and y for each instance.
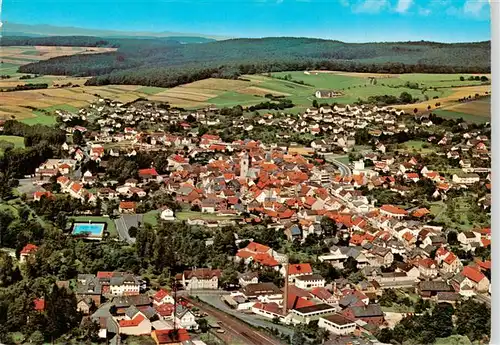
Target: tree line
(164, 64)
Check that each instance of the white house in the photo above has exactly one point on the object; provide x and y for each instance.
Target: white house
(162, 297)
(308, 282)
(337, 324)
(201, 278)
(465, 178)
(167, 214)
(126, 285)
(186, 319)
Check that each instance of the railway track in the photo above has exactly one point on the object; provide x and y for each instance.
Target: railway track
(236, 327)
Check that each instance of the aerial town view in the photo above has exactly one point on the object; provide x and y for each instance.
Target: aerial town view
(291, 176)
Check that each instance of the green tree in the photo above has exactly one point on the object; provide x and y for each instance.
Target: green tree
(9, 272)
(78, 138)
(89, 330)
(229, 277)
(203, 324)
(405, 97)
(36, 338)
(328, 226)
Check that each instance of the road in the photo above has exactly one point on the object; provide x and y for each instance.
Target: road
(238, 329)
(122, 229)
(345, 171)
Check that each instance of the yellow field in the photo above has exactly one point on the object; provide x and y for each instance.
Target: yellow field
(449, 101)
(44, 52)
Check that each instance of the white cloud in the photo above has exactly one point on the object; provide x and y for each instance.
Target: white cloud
(370, 6)
(344, 3)
(403, 5)
(474, 7)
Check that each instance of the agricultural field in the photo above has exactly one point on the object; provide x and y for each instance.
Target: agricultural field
(10, 141)
(25, 54)
(38, 106)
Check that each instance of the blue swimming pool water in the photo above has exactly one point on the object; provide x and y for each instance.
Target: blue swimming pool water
(94, 229)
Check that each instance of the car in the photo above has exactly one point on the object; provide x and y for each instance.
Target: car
(221, 331)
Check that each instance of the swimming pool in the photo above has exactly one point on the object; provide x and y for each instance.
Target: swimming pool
(92, 229)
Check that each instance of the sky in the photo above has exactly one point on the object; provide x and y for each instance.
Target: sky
(345, 20)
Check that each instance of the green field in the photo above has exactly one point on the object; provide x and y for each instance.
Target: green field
(65, 107)
(185, 215)
(417, 145)
(17, 141)
(359, 86)
(150, 217)
(231, 99)
(450, 114)
(110, 223)
(40, 118)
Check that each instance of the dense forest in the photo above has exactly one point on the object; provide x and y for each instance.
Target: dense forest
(165, 63)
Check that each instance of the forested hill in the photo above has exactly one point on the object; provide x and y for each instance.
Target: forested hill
(161, 63)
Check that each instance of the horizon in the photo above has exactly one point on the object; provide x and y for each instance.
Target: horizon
(354, 21)
(131, 34)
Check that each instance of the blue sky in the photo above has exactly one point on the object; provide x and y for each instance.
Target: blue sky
(346, 20)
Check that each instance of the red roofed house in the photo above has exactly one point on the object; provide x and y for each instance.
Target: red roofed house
(393, 211)
(451, 264)
(421, 212)
(28, 250)
(258, 253)
(148, 175)
(38, 195)
(96, 151)
(127, 207)
(162, 297)
(323, 295)
(76, 190)
(39, 304)
(427, 268)
(137, 325)
(170, 336)
(297, 270)
(470, 279)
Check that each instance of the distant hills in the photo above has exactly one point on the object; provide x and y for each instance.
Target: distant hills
(165, 62)
(39, 30)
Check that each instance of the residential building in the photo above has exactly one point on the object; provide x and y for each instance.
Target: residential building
(337, 324)
(200, 279)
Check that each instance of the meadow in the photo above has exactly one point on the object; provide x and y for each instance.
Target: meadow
(39, 106)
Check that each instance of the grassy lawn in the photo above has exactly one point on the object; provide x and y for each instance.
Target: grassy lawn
(342, 159)
(110, 223)
(17, 141)
(460, 221)
(185, 215)
(437, 207)
(150, 217)
(417, 145)
(40, 118)
(456, 115)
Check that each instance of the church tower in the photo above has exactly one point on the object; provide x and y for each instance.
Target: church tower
(244, 164)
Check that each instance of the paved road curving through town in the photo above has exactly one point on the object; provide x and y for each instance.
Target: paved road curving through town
(345, 171)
